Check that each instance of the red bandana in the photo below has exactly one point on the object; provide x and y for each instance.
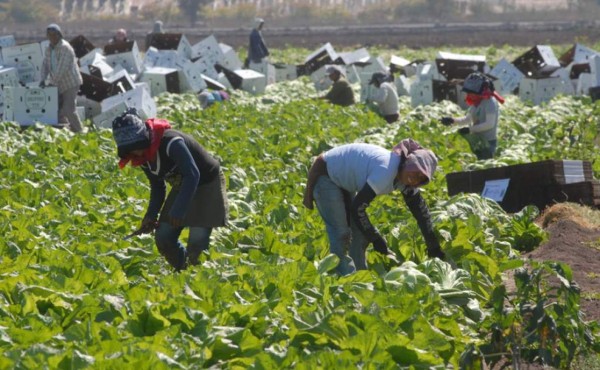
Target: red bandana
(475, 99)
(157, 128)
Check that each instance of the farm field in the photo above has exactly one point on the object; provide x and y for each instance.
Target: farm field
(74, 294)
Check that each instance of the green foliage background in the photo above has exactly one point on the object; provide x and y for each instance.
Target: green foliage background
(73, 294)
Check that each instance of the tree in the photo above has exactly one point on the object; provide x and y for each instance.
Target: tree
(191, 7)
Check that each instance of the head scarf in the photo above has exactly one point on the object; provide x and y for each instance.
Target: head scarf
(258, 22)
(131, 133)
(416, 158)
(54, 28)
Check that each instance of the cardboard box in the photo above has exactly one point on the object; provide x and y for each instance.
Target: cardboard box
(320, 79)
(172, 41)
(161, 80)
(567, 85)
(6, 41)
(137, 98)
(421, 92)
(540, 90)
(285, 72)
(121, 81)
(91, 107)
(190, 77)
(209, 51)
(352, 57)
(458, 66)
(537, 62)
(27, 59)
(444, 90)
(9, 77)
(538, 183)
(95, 88)
(403, 84)
(509, 76)
(98, 68)
(319, 58)
(125, 54)
(230, 58)
(213, 84)
(206, 68)
(265, 68)
(252, 81)
(161, 58)
(576, 54)
(27, 105)
(92, 57)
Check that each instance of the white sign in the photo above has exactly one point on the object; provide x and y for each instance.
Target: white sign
(495, 189)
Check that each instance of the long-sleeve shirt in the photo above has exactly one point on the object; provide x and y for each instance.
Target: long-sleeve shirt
(484, 119)
(386, 98)
(184, 164)
(341, 93)
(257, 49)
(60, 66)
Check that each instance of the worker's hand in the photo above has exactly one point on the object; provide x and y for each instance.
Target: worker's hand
(42, 84)
(447, 121)
(380, 245)
(148, 225)
(463, 130)
(308, 201)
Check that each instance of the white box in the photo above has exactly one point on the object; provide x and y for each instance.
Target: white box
(582, 54)
(540, 90)
(27, 105)
(104, 119)
(252, 81)
(206, 69)
(230, 58)
(374, 64)
(509, 75)
(190, 77)
(428, 71)
(265, 68)
(9, 77)
(92, 57)
(114, 106)
(125, 81)
(352, 75)
(105, 68)
(161, 58)
(403, 84)
(285, 72)
(208, 50)
(92, 108)
(161, 80)
(350, 57)
(130, 60)
(27, 59)
(6, 41)
(421, 92)
(321, 79)
(223, 81)
(565, 80)
(215, 84)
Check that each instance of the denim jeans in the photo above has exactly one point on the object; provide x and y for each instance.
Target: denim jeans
(346, 241)
(169, 246)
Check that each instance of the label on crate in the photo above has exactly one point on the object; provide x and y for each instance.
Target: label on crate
(35, 99)
(495, 189)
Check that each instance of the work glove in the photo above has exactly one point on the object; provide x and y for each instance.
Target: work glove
(148, 225)
(463, 130)
(447, 121)
(380, 245)
(42, 84)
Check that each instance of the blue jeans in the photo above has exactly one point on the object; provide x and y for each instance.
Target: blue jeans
(169, 246)
(345, 240)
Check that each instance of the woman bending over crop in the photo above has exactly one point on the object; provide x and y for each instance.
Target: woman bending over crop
(344, 180)
(197, 198)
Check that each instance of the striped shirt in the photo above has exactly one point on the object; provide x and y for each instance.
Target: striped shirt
(60, 65)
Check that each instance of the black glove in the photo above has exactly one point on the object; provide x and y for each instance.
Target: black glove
(42, 83)
(447, 121)
(463, 130)
(380, 245)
